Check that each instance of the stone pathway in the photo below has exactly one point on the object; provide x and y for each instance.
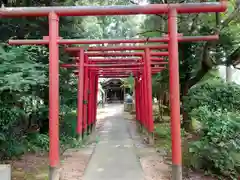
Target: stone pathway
(114, 157)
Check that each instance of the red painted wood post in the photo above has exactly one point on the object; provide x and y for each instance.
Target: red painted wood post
(145, 95)
(93, 99)
(90, 110)
(136, 98)
(137, 102)
(80, 94)
(85, 100)
(96, 101)
(90, 99)
(53, 96)
(140, 102)
(149, 95)
(89, 102)
(139, 97)
(174, 95)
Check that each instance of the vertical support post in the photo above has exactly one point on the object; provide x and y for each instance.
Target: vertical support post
(144, 92)
(85, 101)
(93, 94)
(141, 103)
(80, 94)
(95, 101)
(144, 113)
(148, 72)
(90, 94)
(53, 96)
(137, 98)
(174, 95)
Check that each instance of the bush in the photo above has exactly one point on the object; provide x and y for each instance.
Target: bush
(215, 95)
(37, 142)
(218, 149)
(68, 125)
(215, 105)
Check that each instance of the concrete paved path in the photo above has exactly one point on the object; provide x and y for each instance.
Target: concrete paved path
(114, 157)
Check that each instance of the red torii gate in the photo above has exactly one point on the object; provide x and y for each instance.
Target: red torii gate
(104, 71)
(97, 67)
(54, 12)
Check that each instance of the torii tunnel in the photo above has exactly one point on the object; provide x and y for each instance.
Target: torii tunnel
(95, 62)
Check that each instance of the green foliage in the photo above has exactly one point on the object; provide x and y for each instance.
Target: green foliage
(218, 149)
(129, 83)
(215, 105)
(69, 125)
(163, 134)
(160, 83)
(19, 71)
(37, 141)
(214, 94)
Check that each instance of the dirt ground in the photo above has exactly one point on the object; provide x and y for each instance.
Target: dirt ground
(30, 167)
(73, 162)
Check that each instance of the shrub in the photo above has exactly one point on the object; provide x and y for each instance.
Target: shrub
(215, 105)
(215, 95)
(68, 125)
(37, 142)
(218, 149)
